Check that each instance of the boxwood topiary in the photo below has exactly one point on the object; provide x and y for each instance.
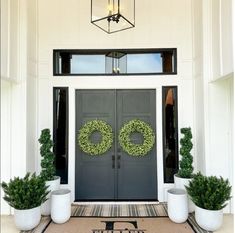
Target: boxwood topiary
(186, 167)
(48, 158)
(209, 193)
(25, 193)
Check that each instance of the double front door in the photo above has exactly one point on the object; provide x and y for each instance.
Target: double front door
(115, 175)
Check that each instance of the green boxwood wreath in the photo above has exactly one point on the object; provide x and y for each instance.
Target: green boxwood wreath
(95, 148)
(139, 126)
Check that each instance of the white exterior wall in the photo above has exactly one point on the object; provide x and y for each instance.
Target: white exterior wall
(198, 84)
(6, 141)
(168, 25)
(18, 97)
(13, 91)
(214, 88)
(65, 24)
(32, 86)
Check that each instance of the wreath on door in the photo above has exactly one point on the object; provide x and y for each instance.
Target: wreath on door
(136, 126)
(87, 130)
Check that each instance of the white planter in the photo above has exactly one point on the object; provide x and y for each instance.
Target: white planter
(60, 205)
(180, 183)
(53, 185)
(27, 219)
(177, 205)
(210, 220)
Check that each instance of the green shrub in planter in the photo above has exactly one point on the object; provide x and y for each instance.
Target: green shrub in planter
(25, 193)
(48, 157)
(186, 167)
(209, 193)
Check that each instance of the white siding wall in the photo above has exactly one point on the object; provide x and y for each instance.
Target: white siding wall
(5, 138)
(32, 87)
(198, 85)
(13, 92)
(214, 88)
(17, 94)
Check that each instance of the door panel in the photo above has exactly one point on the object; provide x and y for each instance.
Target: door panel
(132, 178)
(137, 175)
(94, 174)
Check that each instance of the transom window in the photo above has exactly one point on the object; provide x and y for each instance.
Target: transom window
(115, 62)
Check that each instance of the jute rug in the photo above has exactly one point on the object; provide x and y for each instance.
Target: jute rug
(118, 210)
(119, 225)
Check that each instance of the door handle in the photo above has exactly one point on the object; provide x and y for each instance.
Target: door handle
(113, 161)
(119, 163)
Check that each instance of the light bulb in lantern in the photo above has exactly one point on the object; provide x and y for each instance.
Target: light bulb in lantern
(110, 9)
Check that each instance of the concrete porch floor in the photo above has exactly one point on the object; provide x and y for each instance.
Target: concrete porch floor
(7, 224)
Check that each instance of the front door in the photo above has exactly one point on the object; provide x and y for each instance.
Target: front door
(115, 175)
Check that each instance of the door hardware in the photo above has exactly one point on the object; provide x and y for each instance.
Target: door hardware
(113, 161)
(119, 163)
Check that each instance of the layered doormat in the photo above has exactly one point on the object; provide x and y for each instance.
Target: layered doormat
(119, 225)
(155, 212)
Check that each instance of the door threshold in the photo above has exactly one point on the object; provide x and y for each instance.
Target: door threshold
(116, 202)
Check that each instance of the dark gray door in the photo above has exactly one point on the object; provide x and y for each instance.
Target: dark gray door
(126, 177)
(94, 175)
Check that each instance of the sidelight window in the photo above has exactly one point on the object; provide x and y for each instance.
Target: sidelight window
(60, 125)
(170, 133)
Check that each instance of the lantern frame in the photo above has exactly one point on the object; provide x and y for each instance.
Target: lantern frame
(113, 16)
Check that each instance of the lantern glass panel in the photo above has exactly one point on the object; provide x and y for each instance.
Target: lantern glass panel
(113, 15)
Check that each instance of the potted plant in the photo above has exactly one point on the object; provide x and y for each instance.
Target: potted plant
(185, 172)
(48, 168)
(209, 195)
(25, 195)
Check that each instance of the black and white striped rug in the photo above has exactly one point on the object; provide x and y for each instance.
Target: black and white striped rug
(120, 210)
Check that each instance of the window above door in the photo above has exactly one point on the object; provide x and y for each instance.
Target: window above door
(115, 62)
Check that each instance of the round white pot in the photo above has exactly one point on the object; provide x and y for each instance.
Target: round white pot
(177, 205)
(53, 185)
(180, 183)
(27, 219)
(61, 205)
(210, 220)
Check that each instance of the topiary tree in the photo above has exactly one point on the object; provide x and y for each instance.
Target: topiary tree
(186, 167)
(48, 157)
